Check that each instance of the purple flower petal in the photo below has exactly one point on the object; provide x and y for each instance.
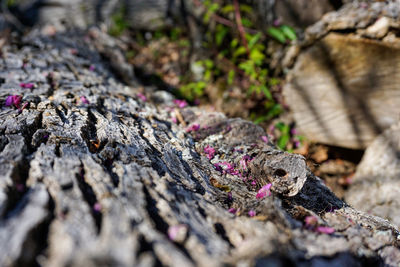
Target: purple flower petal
(210, 152)
(16, 100)
(232, 210)
(177, 233)
(252, 213)
(311, 220)
(9, 101)
(264, 138)
(195, 127)
(84, 100)
(325, 230)
(180, 103)
(264, 191)
(97, 207)
(142, 97)
(91, 67)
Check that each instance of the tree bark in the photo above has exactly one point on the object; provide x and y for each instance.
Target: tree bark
(91, 174)
(343, 88)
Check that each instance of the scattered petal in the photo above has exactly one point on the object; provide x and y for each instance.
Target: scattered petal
(23, 106)
(210, 152)
(232, 210)
(174, 120)
(325, 230)
(180, 103)
(84, 100)
(142, 97)
(177, 233)
(264, 191)
(195, 127)
(27, 85)
(9, 101)
(311, 221)
(97, 207)
(91, 67)
(230, 197)
(252, 213)
(264, 138)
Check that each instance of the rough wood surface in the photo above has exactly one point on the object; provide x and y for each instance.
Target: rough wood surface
(376, 184)
(344, 86)
(92, 175)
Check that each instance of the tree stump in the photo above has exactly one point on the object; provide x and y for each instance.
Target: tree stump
(344, 86)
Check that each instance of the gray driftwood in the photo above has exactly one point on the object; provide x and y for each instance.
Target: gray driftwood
(112, 181)
(344, 86)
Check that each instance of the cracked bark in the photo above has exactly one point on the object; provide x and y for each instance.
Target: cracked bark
(105, 182)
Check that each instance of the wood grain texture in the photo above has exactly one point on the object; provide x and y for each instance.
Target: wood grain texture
(112, 181)
(344, 90)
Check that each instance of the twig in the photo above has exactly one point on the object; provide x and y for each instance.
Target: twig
(240, 25)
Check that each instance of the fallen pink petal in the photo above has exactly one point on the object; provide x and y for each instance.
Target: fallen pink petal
(232, 210)
(177, 232)
(26, 85)
(311, 220)
(264, 191)
(142, 97)
(325, 230)
(97, 207)
(264, 138)
(252, 213)
(180, 103)
(210, 152)
(91, 67)
(195, 127)
(9, 101)
(84, 100)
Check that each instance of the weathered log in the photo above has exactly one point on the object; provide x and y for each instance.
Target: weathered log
(344, 86)
(375, 187)
(90, 174)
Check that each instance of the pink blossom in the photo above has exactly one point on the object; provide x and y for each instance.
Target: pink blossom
(13, 100)
(264, 191)
(174, 120)
(244, 161)
(325, 230)
(311, 221)
(97, 207)
(84, 100)
(180, 103)
(252, 213)
(27, 85)
(296, 143)
(195, 127)
(23, 106)
(210, 152)
(232, 210)
(142, 97)
(264, 138)
(177, 233)
(253, 182)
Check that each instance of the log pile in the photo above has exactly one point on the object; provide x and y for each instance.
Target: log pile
(91, 173)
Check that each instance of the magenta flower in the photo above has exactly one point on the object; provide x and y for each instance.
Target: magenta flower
(27, 85)
(325, 230)
(142, 97)
(244, 161)
(84, 100)
(195, 127)
(264, 138)
(13, 100)
(264, 191)
(232, 210)
(210, 152)
(91, 67)
(311, 221)
(177, 233)
(252, 213)
(180, 103)
(97, 207)
(174, 120)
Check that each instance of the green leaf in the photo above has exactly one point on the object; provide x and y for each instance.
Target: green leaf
(256, 56)
(246, 22)
(231, 76)
(266, 92)
(227, 9)
(240, 51)
(283, 141)
(246, 8)
(234, 43)
(253, 40)
(220, 34)
(277, 34)
(289, 32)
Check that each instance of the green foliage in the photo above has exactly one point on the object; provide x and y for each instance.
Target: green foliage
(282, 34)
(119, 23)
(284, 138)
